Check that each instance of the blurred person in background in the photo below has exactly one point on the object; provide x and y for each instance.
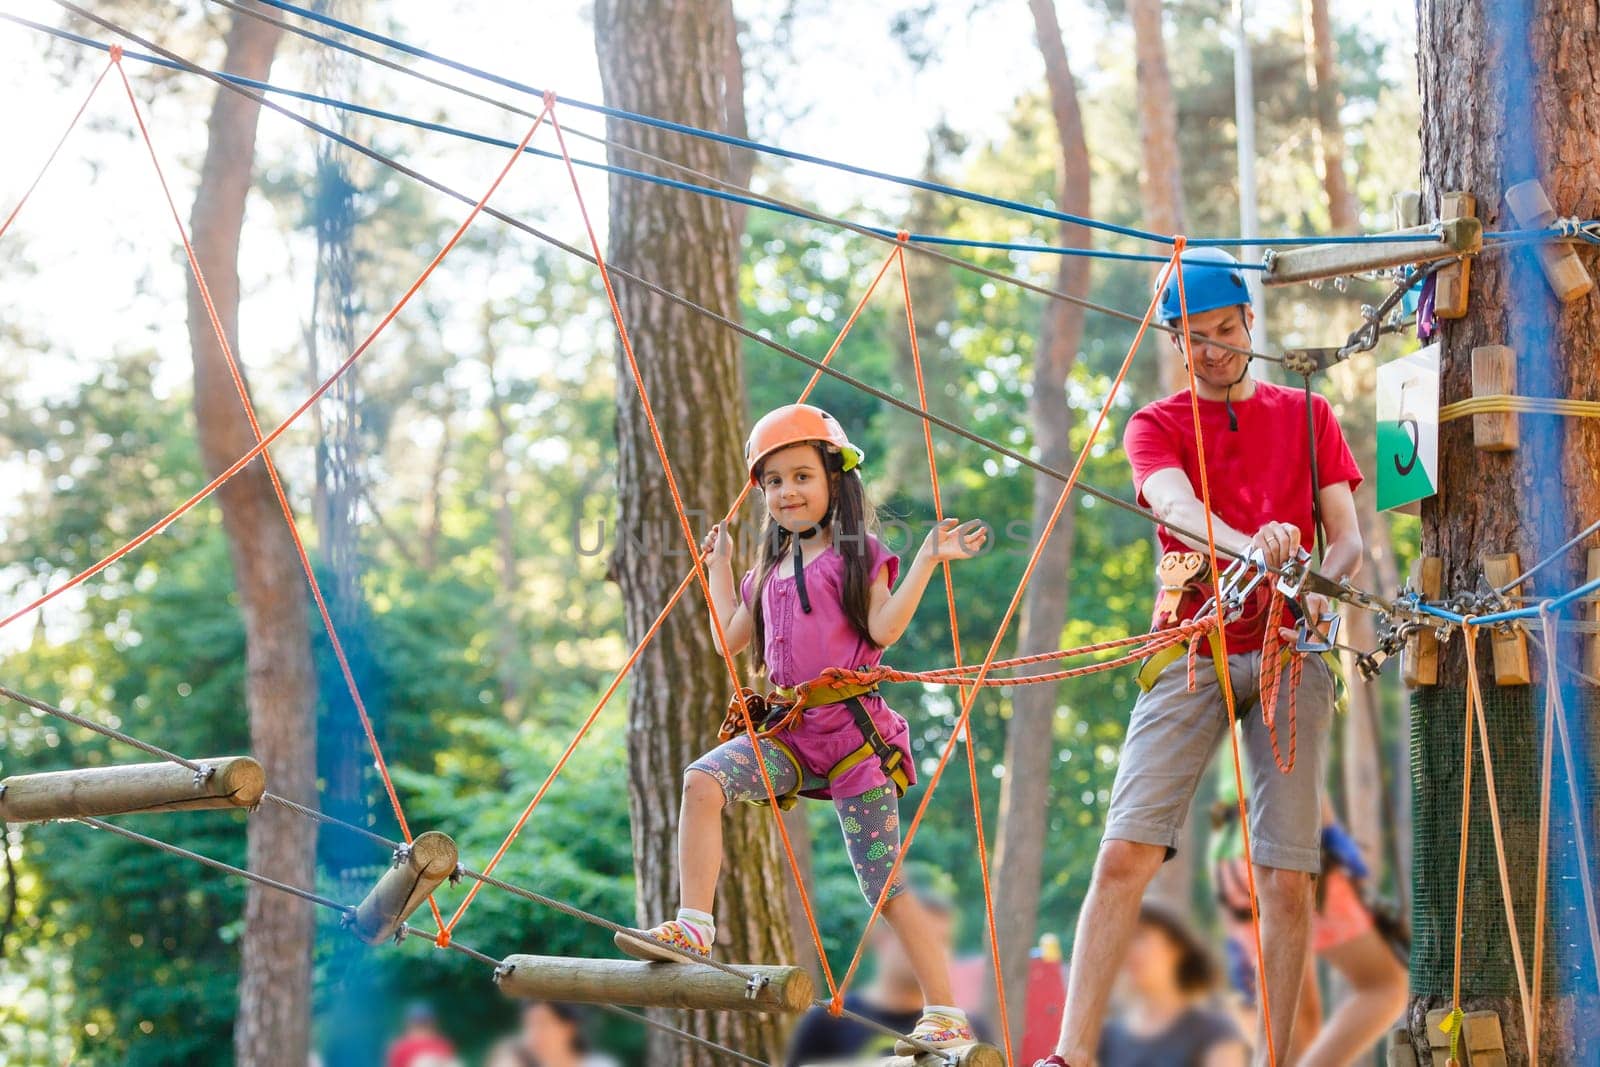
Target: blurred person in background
(551, 1035)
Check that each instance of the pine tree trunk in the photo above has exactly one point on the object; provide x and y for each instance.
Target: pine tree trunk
(1160, 181)
(273, 1025)
(1328, 131)
(1030, 747)
(667, 59)
(1508, 93)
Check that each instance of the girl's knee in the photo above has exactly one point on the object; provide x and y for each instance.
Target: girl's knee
(702, 787)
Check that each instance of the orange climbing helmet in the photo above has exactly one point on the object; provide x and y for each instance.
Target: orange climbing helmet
(794, 424)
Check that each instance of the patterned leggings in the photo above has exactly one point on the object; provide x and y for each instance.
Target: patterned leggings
(870, 822)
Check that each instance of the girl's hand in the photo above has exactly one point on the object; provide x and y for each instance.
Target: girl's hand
(717, 548)
(954, 539)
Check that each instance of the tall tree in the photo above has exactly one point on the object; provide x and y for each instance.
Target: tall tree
(1025, 792)
(1160, 181)
(273, 1025)
(1508, 95)
(668, 58)
(1328, 131)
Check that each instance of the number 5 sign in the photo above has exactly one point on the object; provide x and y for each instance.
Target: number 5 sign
(1408, 428)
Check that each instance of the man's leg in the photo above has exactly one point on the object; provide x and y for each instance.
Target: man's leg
(1286, 900)
(1172, 734)
(1105, 926)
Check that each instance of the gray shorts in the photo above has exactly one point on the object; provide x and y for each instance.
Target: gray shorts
(1173, 733)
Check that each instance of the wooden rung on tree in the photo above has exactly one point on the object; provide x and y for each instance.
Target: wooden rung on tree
(419, 869)
(1463, 236)
(1482, 1042)
(656, 985)
(1421, 663)
(1562, 268)
(971, 1056)
(1452, 283)
(1509, 643)
(1494, 373)
(224, 782)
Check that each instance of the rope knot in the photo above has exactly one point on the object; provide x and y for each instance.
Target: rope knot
(905, 235)
(443, 938)
(1179, 243)
(115, 52)
(549, 99)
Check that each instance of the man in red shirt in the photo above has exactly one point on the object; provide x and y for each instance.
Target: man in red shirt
(1259, 469)
(421, 1045)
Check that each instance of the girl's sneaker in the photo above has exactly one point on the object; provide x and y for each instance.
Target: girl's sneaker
(1051, 1060)
(648, 944)
(938, 1030)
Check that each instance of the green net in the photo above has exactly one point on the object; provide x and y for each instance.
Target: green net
(1515, 717)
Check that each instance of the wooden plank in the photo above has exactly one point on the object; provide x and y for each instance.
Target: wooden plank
(655, 985)
(1333, 261)
(1494, 373)
(1408, 209)
(1562, 268)
(430, 859)
(234, 782)
(1420, 665)
(1509, 644)
(1481, 1039)
(971, 1056)
(1591, 642)
(1452, 283)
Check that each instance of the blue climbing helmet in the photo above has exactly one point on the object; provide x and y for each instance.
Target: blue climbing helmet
(1211, 279)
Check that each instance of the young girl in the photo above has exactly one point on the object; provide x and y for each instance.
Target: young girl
(820, 597)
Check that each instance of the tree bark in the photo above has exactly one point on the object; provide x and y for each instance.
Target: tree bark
(1327, 131)
(1160, 180)
(1507, 95)
(667, 58)
(1030, 748)
(273, 1025)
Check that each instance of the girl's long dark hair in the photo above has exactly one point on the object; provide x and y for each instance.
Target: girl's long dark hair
(850, 520)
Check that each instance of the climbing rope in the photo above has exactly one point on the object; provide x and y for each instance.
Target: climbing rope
(51, 158)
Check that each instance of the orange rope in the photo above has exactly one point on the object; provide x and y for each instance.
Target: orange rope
(655, 626)
(955, 641)
(1272, 679)
(1225, 676)
(1461, 858)
(116, 57)
(272, 470)
(688, 533)
(243, 461)
(967, 703)
(1528, 1008)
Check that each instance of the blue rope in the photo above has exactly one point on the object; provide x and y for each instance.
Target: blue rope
(1556, 604)
(720, 138)
(758, 146)
(627, 172)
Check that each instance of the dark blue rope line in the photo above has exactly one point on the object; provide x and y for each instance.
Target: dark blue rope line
(712, 135)
(769, 149)
(627, 172)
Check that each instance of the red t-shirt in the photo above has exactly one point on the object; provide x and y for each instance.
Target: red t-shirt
(1258, 474)
(419, 1049)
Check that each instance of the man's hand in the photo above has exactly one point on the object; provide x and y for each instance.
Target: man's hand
(1318, 609)
(1277, 542)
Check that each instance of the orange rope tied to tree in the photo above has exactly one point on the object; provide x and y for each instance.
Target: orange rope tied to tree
(837, 1003)
(1475, 712)
(955, 641)
(660, 619)
(1224, 677)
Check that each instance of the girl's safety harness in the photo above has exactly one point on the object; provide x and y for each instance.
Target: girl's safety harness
(783, 709)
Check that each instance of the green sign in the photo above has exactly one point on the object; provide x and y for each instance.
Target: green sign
(1408, 428)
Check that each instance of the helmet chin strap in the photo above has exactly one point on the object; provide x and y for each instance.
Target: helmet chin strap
(799, 558)
(1227, 398)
